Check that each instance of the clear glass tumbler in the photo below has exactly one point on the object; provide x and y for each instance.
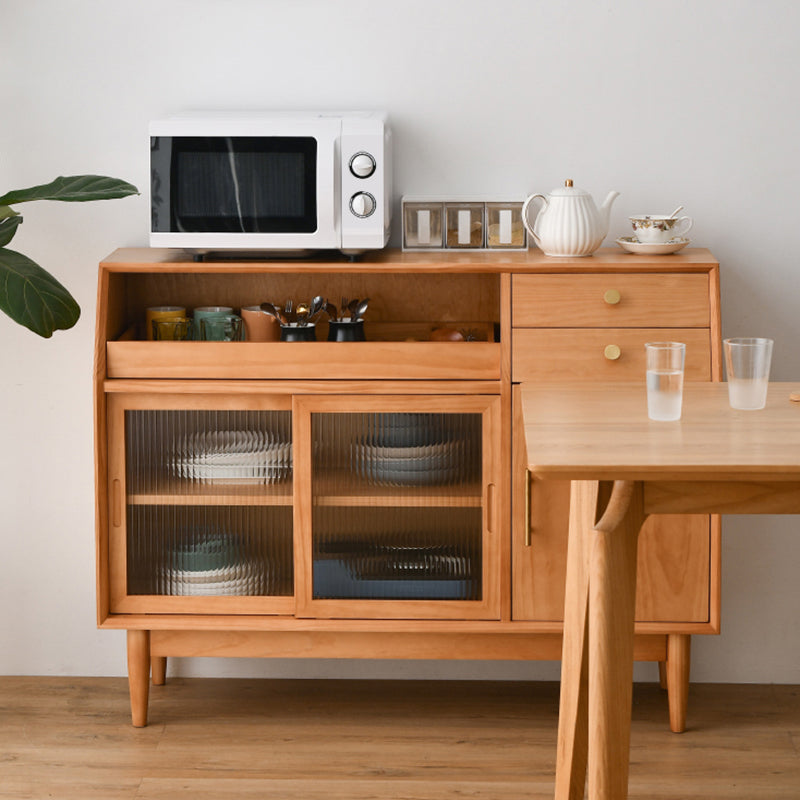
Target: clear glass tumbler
(747, 363)
(665, 362)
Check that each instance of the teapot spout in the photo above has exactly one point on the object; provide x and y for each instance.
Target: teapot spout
(605, 210)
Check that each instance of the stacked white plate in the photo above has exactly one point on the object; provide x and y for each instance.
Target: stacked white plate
(410, 466)
(235, 579)
(233, 457)
(211, 564)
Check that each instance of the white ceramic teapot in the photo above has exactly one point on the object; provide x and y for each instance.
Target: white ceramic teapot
(569, 223)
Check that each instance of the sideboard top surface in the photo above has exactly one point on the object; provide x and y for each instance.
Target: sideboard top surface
(695, 259)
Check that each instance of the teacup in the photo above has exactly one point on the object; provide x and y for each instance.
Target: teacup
(659, 228)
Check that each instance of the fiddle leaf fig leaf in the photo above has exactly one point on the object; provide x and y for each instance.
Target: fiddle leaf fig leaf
(8, 227)
(34, 298)
(74, 189)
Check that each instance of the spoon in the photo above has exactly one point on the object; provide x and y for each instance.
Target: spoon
(676, 212)
(331, 310)
(351, 307)
(360, 309)
(269, 308)
(317, 304)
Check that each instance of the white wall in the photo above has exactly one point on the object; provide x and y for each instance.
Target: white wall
(692, 103)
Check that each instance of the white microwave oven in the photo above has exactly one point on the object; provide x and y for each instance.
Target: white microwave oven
(271, 181)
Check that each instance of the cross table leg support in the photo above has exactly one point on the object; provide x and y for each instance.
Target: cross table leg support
(573, 720)
(597, 666)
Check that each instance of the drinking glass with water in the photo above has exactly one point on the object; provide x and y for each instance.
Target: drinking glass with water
(665, 364)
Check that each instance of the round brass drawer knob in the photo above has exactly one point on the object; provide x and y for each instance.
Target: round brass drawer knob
(612, 296)
(612, 352)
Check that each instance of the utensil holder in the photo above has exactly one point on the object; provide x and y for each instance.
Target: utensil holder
(350, 331)
(298, 333)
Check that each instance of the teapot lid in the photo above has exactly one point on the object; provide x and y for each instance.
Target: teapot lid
(568, 190)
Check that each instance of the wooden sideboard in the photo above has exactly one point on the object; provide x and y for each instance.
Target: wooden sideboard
(370, 499)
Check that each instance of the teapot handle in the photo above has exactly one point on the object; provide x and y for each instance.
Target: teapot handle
(525, 221)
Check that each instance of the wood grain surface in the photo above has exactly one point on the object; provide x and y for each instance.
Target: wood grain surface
(71, 738)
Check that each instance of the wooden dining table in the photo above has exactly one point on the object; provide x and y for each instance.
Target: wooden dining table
(624, 467)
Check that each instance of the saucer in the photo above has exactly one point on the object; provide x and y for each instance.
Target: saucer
(633, 245)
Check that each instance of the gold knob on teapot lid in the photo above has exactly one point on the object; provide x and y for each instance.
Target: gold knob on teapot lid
(568, 182)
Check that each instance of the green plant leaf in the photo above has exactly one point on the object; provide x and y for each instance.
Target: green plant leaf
(32, 297)
(74, 189)
(8, 227)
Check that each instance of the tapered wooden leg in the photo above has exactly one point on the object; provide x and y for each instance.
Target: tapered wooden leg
(612, 603)
(139, 675)
(573, 720)
(158, 668)
(679, 662)
(662, 674)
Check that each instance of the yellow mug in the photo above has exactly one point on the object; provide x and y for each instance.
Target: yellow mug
(160, 312)
(172, 329)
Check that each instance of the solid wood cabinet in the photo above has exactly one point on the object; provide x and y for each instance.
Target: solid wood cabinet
(369, 499)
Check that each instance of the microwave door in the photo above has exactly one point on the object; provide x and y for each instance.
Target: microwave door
(245, 191)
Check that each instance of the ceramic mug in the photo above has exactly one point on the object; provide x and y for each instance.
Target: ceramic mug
(171, 329)
(659, 228)
(260, 326)
(161, 312)
(221, 328)
(204, 312)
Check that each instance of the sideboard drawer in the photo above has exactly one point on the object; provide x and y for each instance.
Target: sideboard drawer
(618, 300)
(601, 353)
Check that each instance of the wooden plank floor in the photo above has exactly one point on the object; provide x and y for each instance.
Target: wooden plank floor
(71, 739)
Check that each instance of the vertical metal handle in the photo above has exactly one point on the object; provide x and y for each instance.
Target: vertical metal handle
(490, 508)
(527, 508)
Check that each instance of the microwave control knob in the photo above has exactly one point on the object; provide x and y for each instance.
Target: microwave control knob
(362, 165)
(362, 204)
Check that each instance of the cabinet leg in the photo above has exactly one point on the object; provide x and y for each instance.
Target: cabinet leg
(139, 675)
(678, 665)
(662, 674)
(158, 668)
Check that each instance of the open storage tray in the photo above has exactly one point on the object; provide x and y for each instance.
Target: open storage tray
(322, 360)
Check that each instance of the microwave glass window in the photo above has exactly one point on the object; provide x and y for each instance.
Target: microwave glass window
(236, 184)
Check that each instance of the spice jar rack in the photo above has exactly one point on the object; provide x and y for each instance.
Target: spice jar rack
(465, 223)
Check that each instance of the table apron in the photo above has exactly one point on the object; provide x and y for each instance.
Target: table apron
(722, 497)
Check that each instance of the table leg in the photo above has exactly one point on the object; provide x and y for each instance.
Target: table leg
(612, 605)
(573, 719)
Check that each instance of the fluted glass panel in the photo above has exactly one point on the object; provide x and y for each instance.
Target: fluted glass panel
(209, 502)
(397, 506)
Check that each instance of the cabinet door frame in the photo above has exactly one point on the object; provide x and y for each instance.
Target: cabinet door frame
(492, 488)
(120, 601)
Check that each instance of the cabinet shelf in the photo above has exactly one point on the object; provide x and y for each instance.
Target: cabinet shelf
(330, 492)
(217, 496)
